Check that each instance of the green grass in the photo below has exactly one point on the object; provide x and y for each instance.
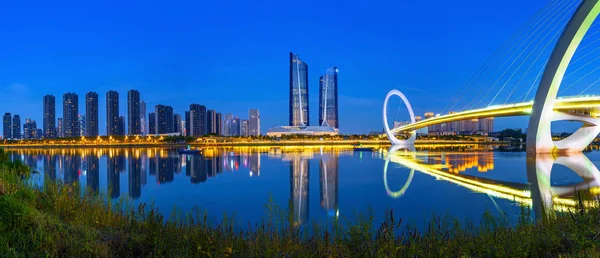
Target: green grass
(59, 221)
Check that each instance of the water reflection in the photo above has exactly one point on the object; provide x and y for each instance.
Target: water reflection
(328, 177)
(546, 196)
(299, 171)
(92, 173)
(538, 192)
(113, 164)
(50, 166)
(235, 177)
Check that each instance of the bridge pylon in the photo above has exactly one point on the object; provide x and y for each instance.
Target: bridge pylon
(539, 137)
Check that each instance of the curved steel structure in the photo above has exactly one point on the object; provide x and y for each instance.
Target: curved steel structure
(388, 132)
(539, 138)
(399, 193)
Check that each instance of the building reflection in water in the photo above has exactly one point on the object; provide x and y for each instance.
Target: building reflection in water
(112, 171)
(93, 173)
(50, 166)
(299, 171)
(461, 162)
(144, 161)
(167, 166)
(328, 177)
(72, 165)
(254, 164)
(196, 168)
(135, 177)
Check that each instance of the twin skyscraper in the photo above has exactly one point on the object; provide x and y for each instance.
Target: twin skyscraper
(328, 95)
(299, 111)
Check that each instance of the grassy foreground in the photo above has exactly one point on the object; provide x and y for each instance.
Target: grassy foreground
(57, 221)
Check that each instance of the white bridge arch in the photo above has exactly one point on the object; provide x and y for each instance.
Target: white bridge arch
(539, 137)
(388, 132)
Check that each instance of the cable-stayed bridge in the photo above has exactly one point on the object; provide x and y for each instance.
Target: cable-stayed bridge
(546, 70)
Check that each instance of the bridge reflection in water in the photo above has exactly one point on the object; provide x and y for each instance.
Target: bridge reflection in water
(538, 193)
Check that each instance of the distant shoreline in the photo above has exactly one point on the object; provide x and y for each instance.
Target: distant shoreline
(374, 143)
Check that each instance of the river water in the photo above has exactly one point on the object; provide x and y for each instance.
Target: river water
(323, 184)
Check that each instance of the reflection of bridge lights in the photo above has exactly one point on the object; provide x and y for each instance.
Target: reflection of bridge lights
(251, 173)
(389, 192)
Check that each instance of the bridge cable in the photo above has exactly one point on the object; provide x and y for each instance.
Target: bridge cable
(525, 60)
(517, 58)
(556, 34)
(582, 77)
(594, 83)
(481, 72)
(545, 15)
(545, 25)
(545, 18)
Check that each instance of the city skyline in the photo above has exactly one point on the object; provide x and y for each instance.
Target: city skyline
(378, 61)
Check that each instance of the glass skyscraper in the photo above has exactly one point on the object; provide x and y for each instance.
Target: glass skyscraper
(70, 112)
(328, 98)
(91, 114)
(299, 113)
(49, 116)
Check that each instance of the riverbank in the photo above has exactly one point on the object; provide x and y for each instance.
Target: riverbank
(58, 222)
(340, 143)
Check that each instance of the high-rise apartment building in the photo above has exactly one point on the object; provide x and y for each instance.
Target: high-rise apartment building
(59, 128)
(7, 126)
(253, 122)
(30, 129)
(299, 111)
(121, 127)
(244, 127)
(197, 120)
(187, 123)
(134, 125)
(219, 123)
(430, 129)
(16, 127)
(211, 122)
(328, 98)
(70, 112)
(177, 123)
(112, 113)
(164, 119)
(235, 126)
(82, 124)
(91, 114)
(49, 116)
(151, 123)
(227, 125)
(143, 121)
(486, 125)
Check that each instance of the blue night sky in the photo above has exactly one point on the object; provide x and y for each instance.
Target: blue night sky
(233, 55)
